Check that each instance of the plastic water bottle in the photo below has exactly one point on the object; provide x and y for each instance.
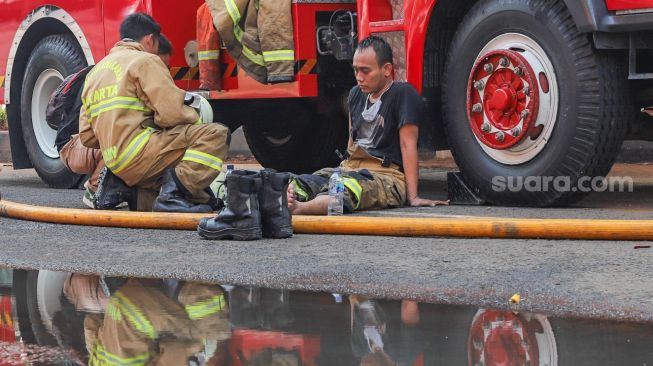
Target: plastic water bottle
(336, 193)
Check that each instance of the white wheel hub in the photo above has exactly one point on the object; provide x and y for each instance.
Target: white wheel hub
(45, 85)
(530, 146)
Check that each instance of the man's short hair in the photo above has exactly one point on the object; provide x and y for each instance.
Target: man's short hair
(165, 48)
(381, 48)
(138, 25)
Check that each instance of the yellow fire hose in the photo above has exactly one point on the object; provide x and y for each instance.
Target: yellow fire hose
(472, 227)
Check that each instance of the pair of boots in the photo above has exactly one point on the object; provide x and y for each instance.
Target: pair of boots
(256, 207)
(112, 191)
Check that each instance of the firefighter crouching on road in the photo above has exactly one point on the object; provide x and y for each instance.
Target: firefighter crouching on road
(76, 157)
(132, 111)
(382, 168)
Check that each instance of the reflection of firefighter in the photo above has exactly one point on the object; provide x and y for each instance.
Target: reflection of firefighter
(144, 326)
(257, 33)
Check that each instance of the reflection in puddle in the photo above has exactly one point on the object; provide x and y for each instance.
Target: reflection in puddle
(53, 318)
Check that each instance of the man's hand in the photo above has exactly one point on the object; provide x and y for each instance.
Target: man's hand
(423, 202)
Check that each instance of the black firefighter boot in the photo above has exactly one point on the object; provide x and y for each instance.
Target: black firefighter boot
(241, 218)
(172, 197)
(112, 191)
(273, 202)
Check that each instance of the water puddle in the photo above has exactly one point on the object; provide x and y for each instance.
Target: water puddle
(55, 318)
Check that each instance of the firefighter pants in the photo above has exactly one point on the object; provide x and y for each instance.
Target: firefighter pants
(258, 34)
(208, 50)
(369, 185)
(195, 151)
(80, 159)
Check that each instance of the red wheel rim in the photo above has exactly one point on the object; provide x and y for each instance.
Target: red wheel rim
(503, 338)
(502, 99)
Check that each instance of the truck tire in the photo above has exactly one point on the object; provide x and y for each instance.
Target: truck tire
(53, 58)
(298, 140)
(31, 325)
(530, 107)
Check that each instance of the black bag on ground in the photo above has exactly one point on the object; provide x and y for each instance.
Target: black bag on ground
(62, 113)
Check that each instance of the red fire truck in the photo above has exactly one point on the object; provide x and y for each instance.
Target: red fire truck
(515, 88)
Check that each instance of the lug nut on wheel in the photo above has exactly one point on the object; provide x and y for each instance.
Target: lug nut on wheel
(503, 62)
(500, 136)
(488, 68)
(525, 113)
(518, 71)
(515, 131)
(485, 127)
(477, 108)
(479, 85)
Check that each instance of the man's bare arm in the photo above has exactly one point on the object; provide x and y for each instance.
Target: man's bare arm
(408, 136)
(351, 139)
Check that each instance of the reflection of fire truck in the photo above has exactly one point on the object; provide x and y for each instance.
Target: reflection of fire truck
(516, 88)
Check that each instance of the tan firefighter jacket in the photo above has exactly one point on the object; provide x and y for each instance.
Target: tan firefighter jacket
(259, 36)
(144, 326)
(127, 97)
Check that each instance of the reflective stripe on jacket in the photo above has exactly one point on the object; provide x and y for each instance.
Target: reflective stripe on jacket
(127, 97)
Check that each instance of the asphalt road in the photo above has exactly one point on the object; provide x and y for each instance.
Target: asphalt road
(588, 279)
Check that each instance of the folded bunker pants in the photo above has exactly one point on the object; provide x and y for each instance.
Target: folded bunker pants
(196, 152)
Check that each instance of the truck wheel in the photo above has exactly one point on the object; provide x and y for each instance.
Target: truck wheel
(301, 140)
(31, 323)
(530, 107)
(53, 58)
(503, 337)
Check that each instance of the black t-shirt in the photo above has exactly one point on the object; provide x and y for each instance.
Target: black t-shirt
(400, 104)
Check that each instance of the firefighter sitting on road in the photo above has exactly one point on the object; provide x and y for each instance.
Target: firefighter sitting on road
(132, 111)
(382, 168)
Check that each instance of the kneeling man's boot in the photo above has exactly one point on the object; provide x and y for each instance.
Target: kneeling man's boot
(172, 197)
(273, 202)
(112, 192)
(241, 218)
